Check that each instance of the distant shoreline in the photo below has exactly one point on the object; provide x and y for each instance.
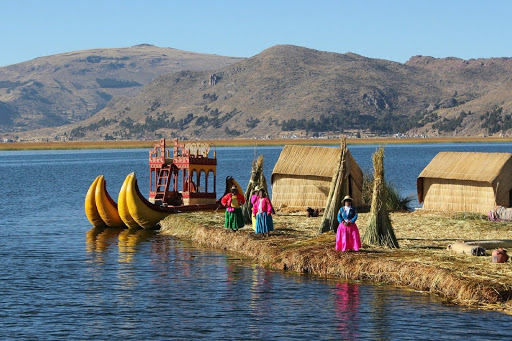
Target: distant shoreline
(11, 146)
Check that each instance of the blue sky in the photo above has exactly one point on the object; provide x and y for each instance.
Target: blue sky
(393, 30)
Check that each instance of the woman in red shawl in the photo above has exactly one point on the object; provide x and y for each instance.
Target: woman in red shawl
(232, 201)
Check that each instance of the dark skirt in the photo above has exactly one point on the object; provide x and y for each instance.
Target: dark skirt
(234, 220)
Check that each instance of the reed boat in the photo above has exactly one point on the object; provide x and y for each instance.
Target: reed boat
(175, 186)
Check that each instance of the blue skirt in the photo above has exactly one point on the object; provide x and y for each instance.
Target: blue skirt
(264, 223)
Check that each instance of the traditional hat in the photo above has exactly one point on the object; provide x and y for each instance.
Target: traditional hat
(347, 197)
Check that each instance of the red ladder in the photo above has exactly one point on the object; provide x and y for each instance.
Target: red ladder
(162, 185)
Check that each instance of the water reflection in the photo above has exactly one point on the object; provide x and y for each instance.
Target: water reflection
(90, 238)
(261, 296)
(128, 240)
(211, 295)
(380, 307)
(347, 309)
(98, 239)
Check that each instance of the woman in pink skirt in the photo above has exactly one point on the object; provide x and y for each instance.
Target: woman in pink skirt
(347, 236)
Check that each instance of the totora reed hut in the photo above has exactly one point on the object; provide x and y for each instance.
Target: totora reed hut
(466, 182)
(302, 177)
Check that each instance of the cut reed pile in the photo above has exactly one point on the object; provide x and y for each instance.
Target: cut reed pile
(422, 263)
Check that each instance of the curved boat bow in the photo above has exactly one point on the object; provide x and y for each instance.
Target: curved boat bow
(91, 211)
(106, 206)
(143, 212)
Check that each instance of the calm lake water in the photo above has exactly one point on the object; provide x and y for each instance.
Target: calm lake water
(62, 280)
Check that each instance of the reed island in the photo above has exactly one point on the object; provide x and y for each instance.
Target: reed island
(400, 248)
(422, 262)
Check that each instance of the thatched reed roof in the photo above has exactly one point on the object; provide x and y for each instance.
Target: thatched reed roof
(311, 161)
(481, 167)
(485, 167)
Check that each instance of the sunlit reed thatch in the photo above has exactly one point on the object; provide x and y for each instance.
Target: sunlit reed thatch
(303, 175)
(466, 182)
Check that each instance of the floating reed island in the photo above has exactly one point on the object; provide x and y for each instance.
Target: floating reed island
(421, 263)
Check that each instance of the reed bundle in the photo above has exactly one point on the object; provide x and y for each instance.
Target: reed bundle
(336, 192)
(257, 180)
(379, 231)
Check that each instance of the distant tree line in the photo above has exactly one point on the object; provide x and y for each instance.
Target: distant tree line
(496, 120)
(215, 119)
(449, 125)
(210, 97)
(231, 132)
(386, 123)
(81, 131)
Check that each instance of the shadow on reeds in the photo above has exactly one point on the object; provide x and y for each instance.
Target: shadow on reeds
(427, 248)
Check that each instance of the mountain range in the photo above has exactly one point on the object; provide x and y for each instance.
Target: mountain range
(71, 87)
(146, 92)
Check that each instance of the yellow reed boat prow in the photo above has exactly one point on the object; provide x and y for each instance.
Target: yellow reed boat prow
(122, 206)
(91, 211)
(107, 208)
(144, 213)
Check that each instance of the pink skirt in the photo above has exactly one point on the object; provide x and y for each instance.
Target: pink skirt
(347, 237)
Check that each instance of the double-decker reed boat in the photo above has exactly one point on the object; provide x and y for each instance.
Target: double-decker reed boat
(184, 182)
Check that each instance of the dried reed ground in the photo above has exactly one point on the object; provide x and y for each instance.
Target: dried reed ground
(421, 263)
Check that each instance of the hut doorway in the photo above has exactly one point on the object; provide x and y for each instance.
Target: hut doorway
(350, 193)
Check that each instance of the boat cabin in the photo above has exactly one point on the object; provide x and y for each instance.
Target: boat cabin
(188, 177)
